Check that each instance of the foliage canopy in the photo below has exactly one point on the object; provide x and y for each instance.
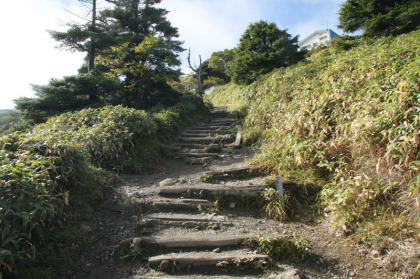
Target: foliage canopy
(380, 17)
(262, 48)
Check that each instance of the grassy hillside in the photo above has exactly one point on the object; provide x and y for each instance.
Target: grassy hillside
(51, 175)
(347, 121)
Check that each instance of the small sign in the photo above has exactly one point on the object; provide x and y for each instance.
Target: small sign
(279, 186)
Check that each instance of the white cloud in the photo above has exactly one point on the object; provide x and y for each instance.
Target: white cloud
(27, 52)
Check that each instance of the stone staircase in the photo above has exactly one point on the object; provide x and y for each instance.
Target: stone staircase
(204, 142)
(195, 229)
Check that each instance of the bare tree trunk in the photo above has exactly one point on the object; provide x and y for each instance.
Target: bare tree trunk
(92, 54)
(197, 71)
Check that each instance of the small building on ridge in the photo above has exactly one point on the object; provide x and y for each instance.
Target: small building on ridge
(320, 37)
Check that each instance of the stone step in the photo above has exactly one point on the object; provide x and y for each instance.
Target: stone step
(196, 160)
(179, 151)
(192, 276)
(216, 123)
(223, 138)
(204, 259)
(187, 242)
(176, 204)
(196, 148)
(221, 115)
(206, 133)
(228, 174)
(183, 145)
(198, 140)
(193, 150)
(197, 225)
(188, 217)
(208, 128)
(196, 276)
(219, 119)
(210, 191)
(201, 130)
(198, 154)
(197, 135)
(213, 124)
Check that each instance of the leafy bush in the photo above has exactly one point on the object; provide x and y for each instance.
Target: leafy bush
(36, 179)
(50, 174)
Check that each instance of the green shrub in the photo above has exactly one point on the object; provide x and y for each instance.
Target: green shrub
(36, 179)
(50, 176)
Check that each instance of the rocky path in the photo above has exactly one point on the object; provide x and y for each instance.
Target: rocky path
(192, 216)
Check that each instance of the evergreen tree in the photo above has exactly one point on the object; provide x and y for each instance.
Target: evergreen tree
(262, 48)
(380, 17)
(137, 52)
(67, 94)
(146, 51)
(90, 37)
(142, 69)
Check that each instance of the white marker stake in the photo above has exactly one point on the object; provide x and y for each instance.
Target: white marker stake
(280, 189)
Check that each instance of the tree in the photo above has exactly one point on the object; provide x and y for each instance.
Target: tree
(197, 71)
(67, 94)
(141, 68)
(220, 60)
(89, 37)
(262, 48)
(136, 50)
(380, 17)
(132, 20)
(211, 76)
(139, 27)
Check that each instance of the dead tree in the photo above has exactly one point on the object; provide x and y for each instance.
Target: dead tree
(197, 71)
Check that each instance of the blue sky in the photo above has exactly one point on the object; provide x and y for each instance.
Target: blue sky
(29, 55)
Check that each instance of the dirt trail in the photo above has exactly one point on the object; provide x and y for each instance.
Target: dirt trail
(170, 220)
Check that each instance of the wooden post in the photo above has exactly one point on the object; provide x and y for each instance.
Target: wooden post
(279, 186)
(238, 136)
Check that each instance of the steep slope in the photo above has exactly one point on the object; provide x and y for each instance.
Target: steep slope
(347, 121)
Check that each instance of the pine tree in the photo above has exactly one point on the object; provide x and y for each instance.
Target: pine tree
(262, 48)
